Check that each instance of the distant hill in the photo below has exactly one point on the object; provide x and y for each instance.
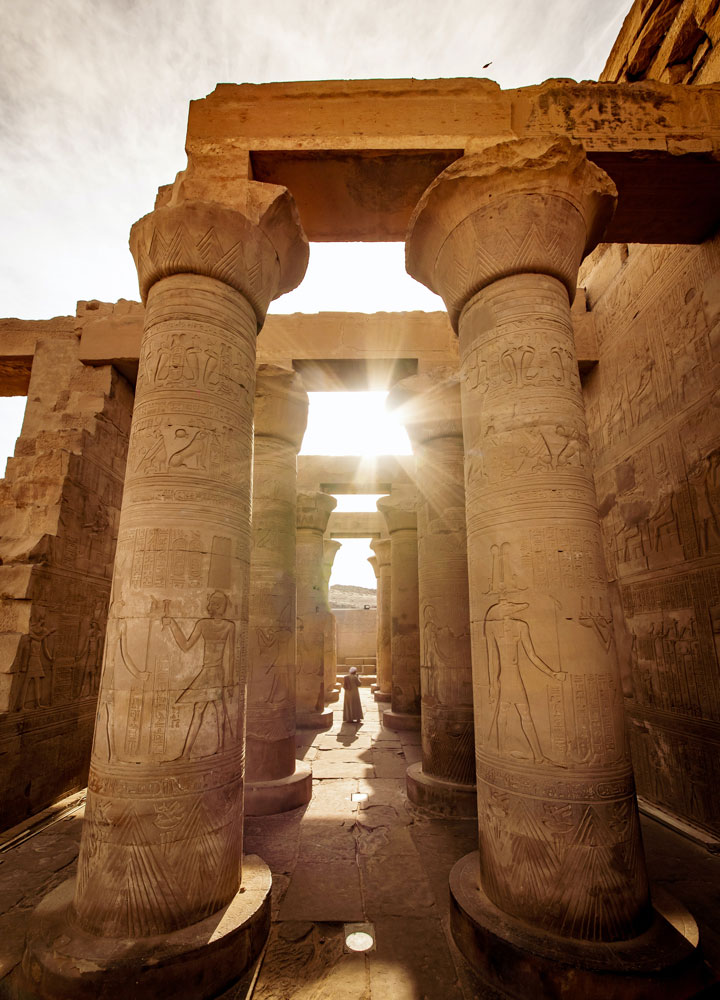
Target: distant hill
(343, 597)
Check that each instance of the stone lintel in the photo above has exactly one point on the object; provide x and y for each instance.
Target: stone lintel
(344, 524)
(315, 344)
(377, 144)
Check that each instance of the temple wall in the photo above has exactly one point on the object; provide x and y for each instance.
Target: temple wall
(654, 419)
(653, 407)
(356, 633)
(59, 506)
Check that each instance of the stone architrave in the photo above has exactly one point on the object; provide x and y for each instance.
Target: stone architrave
(330, 550)
(399, 510)
(274, 780)
(381, 548)
(429, 407)
(163, 896)
(559, 891)
(313, 512)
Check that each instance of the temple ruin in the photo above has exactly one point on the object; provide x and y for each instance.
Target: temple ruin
(547, 560)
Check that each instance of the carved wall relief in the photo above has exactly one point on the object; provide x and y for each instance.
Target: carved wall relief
(59, 511)
(658, 483)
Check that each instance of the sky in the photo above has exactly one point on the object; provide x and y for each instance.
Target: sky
(93, 109)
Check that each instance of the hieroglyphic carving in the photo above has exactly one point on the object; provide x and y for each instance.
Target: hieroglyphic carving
(400, 513)
(32, 658)
(507, 635)
(313, 512)
(547, 694)
(658, 483)
(174, 676)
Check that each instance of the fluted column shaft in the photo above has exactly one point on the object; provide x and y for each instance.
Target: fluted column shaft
(381, 548)
(313, 513)
(501, 235)
(281, 405)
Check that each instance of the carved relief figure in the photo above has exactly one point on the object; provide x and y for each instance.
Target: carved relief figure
(33, 650)
(271, 686)
(705, 480)
(507, 635)
(207, 689)
(190, 450)
(641, 398)
(106, 706)
(431, 636)
(662, 520)
(598, 621)
(89, 661)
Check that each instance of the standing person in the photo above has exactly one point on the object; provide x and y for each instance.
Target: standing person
(352, 709)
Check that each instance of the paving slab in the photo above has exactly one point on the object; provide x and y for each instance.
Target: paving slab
(412, 961)
(337, 861)
(307, 961)
(342, 769)
(325, 892)
(389, 763)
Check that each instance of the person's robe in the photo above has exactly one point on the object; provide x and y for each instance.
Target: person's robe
(352, 709)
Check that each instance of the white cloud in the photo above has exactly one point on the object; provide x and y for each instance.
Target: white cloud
(94, 97)
(93, 108)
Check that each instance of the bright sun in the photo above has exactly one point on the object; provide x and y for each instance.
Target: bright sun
(353, 423)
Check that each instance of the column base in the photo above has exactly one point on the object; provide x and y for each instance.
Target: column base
(520, 961)
(401, 720)
(382, 696)
(264, 798)
(333, 694)
(315, 720)
(445, 797)
(63, 962)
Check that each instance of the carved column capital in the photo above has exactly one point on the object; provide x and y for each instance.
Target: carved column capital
(428, 405)
(399, 509)
(374, 565)
(381, 548)
(281, 404)
(314, 509)
(261, 251)
(330, 550)
(525, 206)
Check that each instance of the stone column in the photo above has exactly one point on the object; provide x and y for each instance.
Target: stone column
(330, 550)
(429, 406)
(381, 548)
(374, 566)
(274, 780)
(399, 511)
(313, 513)
(560, 873)
(163, 899)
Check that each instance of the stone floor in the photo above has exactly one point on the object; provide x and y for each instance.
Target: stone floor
(343, 860)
